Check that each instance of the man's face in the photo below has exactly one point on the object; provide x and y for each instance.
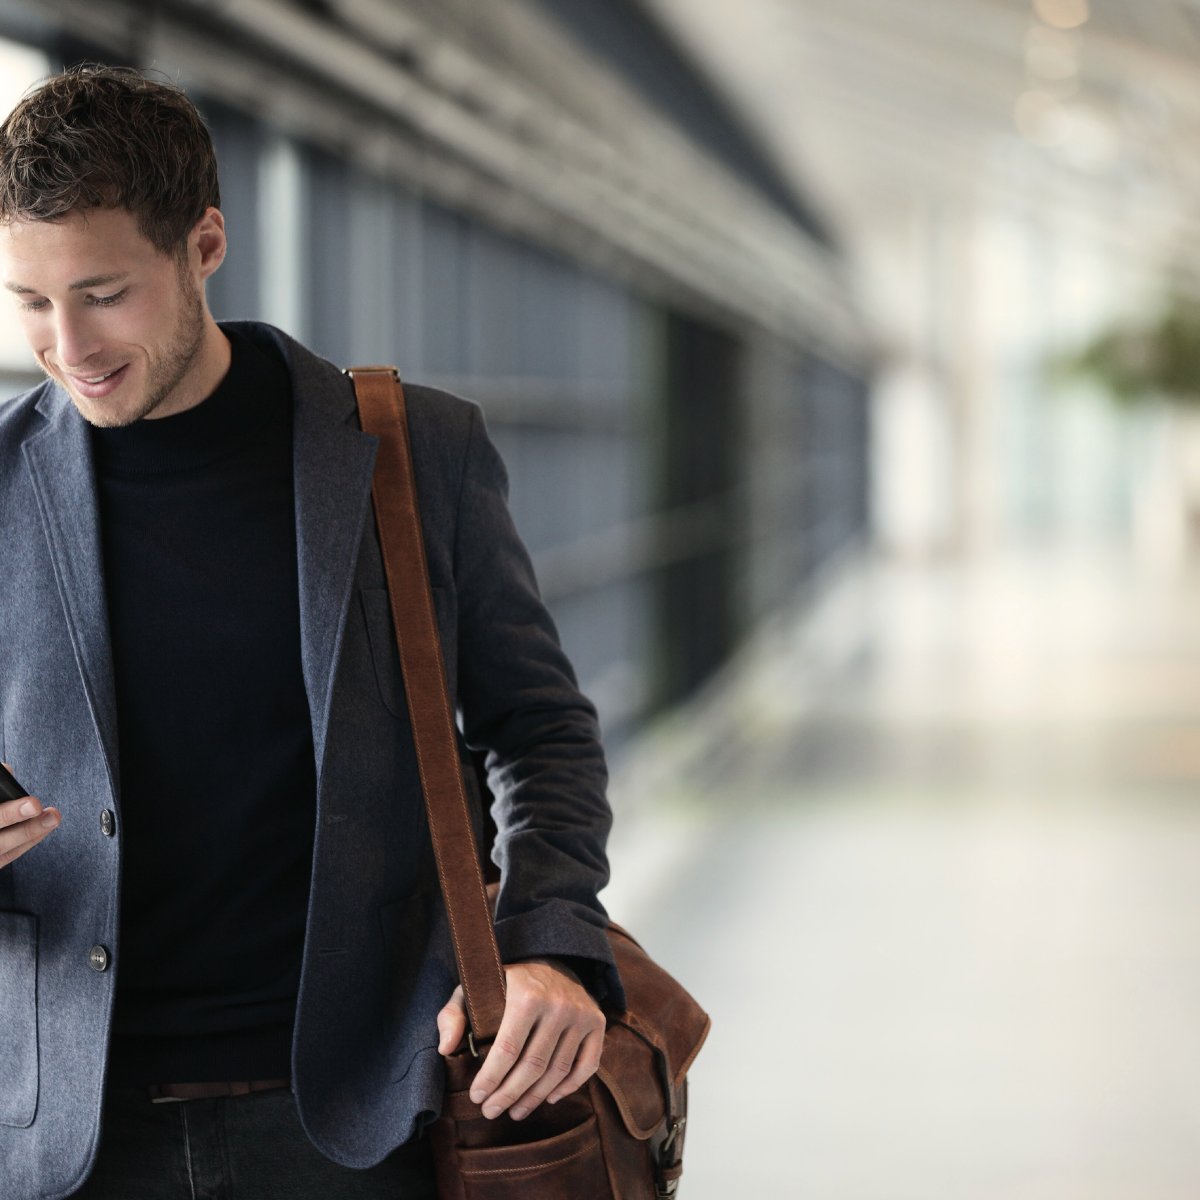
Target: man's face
(123, 327)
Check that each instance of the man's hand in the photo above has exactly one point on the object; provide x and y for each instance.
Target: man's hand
(23, 823)
(549, 1041)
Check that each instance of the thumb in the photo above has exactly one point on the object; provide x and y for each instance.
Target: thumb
(452, 1023)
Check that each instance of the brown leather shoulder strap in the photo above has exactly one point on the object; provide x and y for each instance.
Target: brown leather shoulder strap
(382, 412)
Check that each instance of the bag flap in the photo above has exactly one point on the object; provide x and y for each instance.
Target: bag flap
(649, 1047)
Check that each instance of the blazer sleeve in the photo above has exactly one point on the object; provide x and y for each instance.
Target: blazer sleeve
(520, 705)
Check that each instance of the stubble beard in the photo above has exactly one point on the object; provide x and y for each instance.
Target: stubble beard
(171, 369)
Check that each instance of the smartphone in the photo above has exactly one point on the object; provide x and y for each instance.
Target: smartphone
(10, 789)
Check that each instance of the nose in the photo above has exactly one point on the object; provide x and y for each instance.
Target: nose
(76, 340)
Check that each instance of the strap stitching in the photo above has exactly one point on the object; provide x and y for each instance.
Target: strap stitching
(467, 1171)
(395, 437)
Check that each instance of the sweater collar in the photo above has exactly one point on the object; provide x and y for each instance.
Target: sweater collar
(255, 391)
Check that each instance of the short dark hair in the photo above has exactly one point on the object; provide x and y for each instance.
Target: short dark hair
(109, 137)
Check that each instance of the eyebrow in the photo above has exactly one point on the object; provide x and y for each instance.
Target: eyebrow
(80, 285)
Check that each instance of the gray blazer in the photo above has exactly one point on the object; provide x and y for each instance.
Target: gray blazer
(377, 963)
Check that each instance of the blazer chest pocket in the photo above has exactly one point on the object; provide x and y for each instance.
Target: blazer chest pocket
(18, 1026)
(385, 657)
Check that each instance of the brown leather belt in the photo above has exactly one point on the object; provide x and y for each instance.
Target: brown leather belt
(160, 1093)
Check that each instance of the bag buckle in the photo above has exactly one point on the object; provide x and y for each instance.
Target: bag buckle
(665, 1188)
(373, 369)
(676, 1129)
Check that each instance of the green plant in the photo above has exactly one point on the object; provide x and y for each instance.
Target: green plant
(1139, 363)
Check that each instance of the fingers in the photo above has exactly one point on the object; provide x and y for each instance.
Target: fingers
(587, 1063)
(501, 1060)
(452, 1023)
(549, 1042)
(561, 1065)
(24, 823)
(537, 1058)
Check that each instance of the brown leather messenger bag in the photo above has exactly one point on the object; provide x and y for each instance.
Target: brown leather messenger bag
(620, 1137)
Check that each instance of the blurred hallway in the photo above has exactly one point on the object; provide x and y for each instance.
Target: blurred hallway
(743, 289)
(934, 856)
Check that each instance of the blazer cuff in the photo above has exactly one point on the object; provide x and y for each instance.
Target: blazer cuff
(577, 943)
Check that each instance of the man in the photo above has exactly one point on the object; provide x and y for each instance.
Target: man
(224, 965)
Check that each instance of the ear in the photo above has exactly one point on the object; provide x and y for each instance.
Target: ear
(206, 243)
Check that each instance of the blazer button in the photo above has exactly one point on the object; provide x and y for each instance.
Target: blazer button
(98, 959)
(108, 823)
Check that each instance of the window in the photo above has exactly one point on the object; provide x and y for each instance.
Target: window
(20, 67)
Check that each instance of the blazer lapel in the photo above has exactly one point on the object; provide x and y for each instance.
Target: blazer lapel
(333, 465)
(59, 459)
(333, 462)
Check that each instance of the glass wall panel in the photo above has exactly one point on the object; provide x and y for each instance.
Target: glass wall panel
(20, 66)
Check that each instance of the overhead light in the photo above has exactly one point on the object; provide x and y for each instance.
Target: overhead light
(1080, 135)
(1046, 63)
(1051, 53)
(1039, 36)
(1062, 14)
(1037, 117)
(1089, 140)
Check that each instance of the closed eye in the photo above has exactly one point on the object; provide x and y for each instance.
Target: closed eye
(41, 304)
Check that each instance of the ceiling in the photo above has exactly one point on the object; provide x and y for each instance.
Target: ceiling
(885, 116)
(496, 110)
(874, 105)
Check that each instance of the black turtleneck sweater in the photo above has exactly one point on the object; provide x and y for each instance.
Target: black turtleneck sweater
(217, 787)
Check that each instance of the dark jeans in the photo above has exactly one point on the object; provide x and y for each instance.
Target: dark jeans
(235, 1148)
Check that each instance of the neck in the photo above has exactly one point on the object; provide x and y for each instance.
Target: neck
(209, 367)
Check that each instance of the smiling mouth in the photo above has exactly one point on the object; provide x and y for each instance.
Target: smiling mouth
(100, 385)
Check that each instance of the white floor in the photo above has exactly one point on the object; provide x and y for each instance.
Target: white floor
(930, 856)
